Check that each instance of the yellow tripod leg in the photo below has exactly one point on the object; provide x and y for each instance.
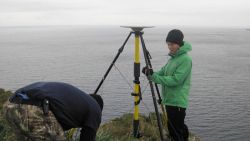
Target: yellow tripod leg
(136, 86)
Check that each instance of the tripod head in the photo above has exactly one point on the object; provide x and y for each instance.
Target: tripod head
(137, 28)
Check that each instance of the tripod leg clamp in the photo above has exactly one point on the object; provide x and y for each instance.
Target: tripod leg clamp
(135, 94)
(136, 82)
(137, 102)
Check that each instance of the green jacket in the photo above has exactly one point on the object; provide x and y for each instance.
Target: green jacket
(175, 78)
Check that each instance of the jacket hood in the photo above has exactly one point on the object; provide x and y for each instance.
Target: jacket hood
(186, 47)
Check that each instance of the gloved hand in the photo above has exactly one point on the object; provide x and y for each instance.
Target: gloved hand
(147, 71)
(19, 98)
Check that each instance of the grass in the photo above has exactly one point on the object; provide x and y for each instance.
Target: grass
(120, 129)
(6, 132)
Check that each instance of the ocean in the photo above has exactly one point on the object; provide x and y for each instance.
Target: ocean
(80, 55)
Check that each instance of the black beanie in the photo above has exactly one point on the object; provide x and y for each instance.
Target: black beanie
(175, 36)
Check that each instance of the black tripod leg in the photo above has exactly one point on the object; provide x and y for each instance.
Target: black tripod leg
(148, 57)
(112, 64)
(152, 90)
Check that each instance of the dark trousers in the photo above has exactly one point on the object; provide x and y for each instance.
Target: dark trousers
(176, 127)
(87, 134)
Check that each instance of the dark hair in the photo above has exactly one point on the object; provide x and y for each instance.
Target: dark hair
(98, 99)
(175, 36)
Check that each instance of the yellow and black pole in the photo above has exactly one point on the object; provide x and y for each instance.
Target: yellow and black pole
(136, 92)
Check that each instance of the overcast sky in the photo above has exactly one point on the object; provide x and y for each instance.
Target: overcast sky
(222, 13)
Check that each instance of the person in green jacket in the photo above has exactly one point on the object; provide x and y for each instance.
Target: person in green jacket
(175, 79)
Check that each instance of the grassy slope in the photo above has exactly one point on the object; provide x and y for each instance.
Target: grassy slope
(120, 129)
(6, 132)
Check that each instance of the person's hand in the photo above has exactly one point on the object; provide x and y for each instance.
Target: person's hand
(147, 71)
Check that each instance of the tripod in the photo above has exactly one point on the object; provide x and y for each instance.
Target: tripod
(137, 31)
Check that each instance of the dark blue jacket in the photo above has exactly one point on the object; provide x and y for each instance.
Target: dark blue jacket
(71, 106)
